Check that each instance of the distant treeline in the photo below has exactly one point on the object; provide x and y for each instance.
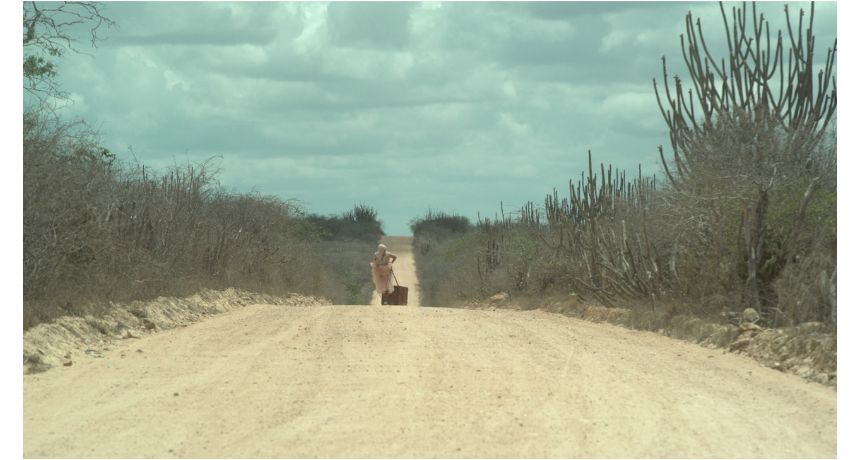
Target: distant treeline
(359, 224)
(99, 230)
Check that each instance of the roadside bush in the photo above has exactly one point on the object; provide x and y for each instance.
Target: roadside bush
(359, 224)
(98, 230)
(638, 244)
(443, 246)
(438, 225)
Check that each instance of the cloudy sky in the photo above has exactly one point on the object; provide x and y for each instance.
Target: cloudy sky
(403, 106)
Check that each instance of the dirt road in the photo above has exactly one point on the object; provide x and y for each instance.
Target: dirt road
(373, 381)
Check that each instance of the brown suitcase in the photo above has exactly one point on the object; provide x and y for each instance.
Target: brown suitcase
(399, 296)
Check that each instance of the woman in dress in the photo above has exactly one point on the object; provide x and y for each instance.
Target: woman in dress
(381, 269)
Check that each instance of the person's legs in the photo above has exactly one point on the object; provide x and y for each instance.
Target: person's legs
(389, 282)
(383, 282)
(378, 279)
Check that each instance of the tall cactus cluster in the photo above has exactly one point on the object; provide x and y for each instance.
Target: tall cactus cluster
(767, 87)
(751, 124)
(596, 238)
(743, 217)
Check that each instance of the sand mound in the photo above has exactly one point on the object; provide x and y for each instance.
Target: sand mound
(72, 337)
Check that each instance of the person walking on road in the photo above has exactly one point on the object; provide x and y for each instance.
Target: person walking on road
(381, 268)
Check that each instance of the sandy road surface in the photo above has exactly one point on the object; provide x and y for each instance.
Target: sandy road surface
(373, 381)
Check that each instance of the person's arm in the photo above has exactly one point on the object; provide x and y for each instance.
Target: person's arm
(393, 257)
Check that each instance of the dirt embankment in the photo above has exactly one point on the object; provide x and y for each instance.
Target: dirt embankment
(70, 339)
(807, 350)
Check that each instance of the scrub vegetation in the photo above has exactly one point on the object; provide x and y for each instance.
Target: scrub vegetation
(97, 229)
(743, 215)
(100, 230)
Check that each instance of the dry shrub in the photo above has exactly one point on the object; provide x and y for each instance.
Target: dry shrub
(98, 230)
(656, 247)
(807, 291)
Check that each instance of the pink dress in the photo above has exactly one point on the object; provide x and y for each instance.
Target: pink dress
(381, 269)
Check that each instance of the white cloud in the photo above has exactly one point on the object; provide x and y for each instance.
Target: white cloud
(467, 103)
(366, 64)
(510, 123)
(313, 32)
(628, 103)
(509, 90)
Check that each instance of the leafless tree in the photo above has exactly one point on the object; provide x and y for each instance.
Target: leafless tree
(48, 33)
(767, 86)
(750, 122)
